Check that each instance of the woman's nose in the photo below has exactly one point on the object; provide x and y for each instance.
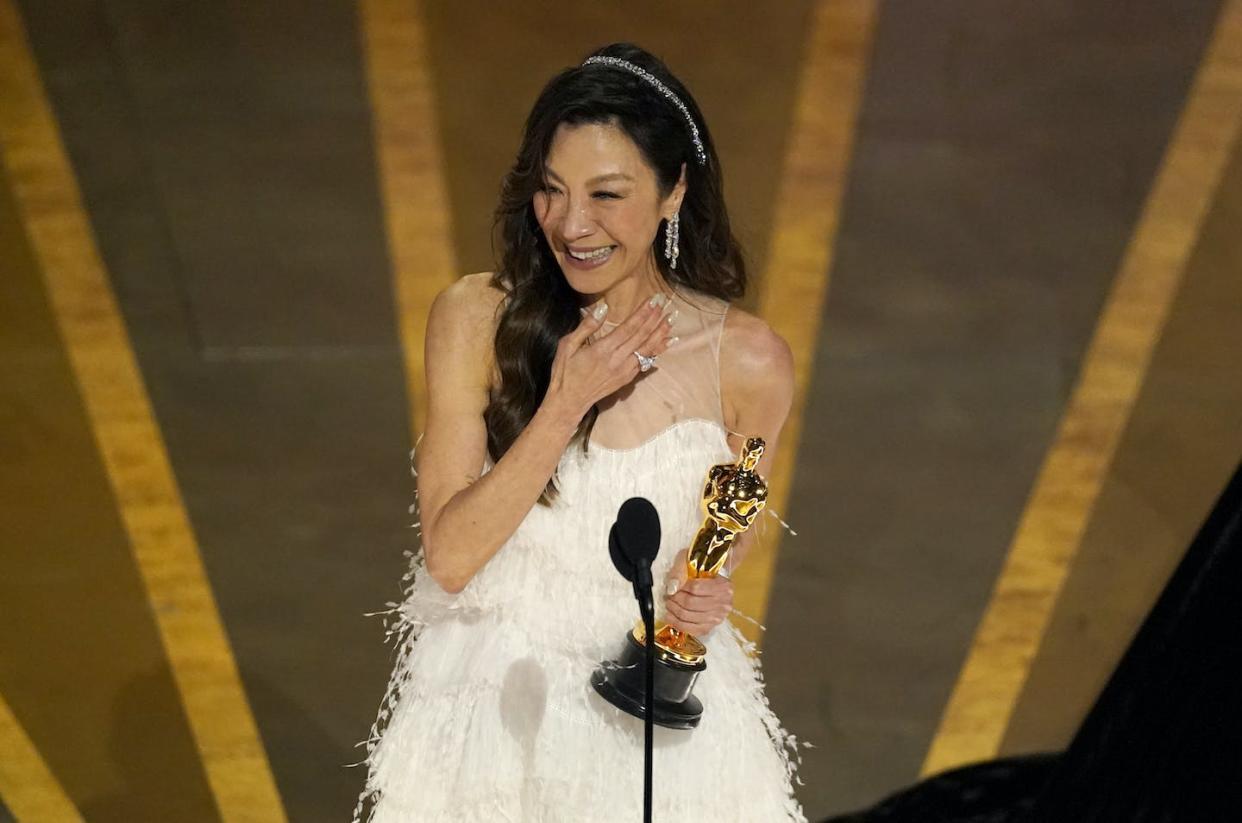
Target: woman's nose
(578, 221)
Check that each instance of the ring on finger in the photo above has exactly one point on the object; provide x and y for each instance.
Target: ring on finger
(644, 362)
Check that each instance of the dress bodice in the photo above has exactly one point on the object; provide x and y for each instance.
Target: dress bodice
(655, 438)
(684, 385)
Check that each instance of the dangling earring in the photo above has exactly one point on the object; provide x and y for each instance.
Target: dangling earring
(671, 249)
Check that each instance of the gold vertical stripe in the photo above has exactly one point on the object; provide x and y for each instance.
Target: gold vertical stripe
(1114, 367)
(415, 196)
(27, 785)
(795, 279)
(128, 438)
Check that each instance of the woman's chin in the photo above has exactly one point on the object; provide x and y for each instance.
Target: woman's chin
(587, 284)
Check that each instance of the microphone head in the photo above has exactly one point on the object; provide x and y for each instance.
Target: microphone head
(619, 561)
(634, 539)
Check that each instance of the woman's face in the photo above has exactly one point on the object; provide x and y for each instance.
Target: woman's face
(601, 201)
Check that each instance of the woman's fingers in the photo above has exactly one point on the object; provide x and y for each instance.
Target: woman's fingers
(658, 339)
(609, 363)
(700, 590)
(694, 622)
(697, 611)
(701, 604)
(650, 339)
(627, 336)
(588, 325)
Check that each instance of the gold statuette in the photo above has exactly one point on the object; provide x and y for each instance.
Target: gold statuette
(732, 498)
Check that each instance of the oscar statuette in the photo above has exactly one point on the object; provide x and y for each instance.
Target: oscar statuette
(733, 496)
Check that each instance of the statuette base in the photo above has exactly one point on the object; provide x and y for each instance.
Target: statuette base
(621, 682)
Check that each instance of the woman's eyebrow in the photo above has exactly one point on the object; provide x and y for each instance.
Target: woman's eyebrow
(616, 175)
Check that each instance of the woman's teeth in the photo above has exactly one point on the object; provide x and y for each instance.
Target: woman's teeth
(594, 255)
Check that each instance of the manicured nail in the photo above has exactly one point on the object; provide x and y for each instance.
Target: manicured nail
(670, 318)
(600, 311)
(673, 340)
(657, 299)
(582, 311)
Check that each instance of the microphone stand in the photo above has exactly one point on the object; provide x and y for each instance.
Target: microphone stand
(642, 591)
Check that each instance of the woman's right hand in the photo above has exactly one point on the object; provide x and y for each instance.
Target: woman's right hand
(584, 374)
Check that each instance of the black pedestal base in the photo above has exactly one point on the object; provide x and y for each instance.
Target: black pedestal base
(621, 683)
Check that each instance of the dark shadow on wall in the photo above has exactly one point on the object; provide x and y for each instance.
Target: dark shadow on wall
(1163, 742)
(140, 710)
(140, 714)
(324, 793)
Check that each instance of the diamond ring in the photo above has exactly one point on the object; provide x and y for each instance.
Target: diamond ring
(645, 363)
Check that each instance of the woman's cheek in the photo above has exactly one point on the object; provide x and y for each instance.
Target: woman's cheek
(540, 204)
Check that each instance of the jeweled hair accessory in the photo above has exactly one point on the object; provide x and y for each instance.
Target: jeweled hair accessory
(617, 62)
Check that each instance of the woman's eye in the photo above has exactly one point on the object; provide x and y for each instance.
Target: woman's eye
(603, 195)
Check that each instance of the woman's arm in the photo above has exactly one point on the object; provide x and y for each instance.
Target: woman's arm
(756, 387)
(466, 518)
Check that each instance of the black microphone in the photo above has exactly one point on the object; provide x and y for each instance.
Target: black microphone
(633, 543)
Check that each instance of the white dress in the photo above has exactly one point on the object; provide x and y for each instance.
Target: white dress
(490, 715)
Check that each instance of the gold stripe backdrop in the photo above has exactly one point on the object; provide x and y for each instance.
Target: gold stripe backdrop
(27, 785)
(129, 440)
(411, 175)
(795, 280)
(1077, 463)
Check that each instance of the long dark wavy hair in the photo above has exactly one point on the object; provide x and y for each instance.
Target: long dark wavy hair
(540, 306)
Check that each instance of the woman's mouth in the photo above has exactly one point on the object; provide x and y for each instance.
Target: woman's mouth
(592, 259)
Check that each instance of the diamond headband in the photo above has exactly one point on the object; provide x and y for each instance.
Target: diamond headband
(626, 65)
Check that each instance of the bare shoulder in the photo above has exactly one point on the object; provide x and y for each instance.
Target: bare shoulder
(461, 325)
(756, 367)
(751, 350)
(471, 300)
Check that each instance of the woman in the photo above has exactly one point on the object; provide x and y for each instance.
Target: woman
(601, 361)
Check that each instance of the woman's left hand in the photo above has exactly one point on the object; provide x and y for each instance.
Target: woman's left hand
(700, 604)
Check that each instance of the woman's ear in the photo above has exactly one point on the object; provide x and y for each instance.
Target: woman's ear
(677, 194)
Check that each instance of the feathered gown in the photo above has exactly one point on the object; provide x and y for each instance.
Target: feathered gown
(489, 714)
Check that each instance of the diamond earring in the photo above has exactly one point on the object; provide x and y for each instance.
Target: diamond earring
(671, 248)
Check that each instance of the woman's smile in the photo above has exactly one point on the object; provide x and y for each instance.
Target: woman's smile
(584, 259)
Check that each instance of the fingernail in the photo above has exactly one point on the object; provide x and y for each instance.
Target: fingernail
(582, 311)
(657, 299)
(672, 317)
(673, 340)
(601, 310)
(671, 587)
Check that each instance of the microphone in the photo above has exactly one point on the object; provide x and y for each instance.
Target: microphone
(633, 543)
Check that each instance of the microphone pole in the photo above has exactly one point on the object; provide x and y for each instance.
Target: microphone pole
(642, 591)
(633, 543)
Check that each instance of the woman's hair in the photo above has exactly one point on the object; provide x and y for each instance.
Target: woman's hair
(540, 306)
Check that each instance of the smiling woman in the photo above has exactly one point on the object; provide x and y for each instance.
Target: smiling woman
(601, 361)
(607, 218)
(603, 163)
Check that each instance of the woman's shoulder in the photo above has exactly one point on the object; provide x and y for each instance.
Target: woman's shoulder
(462, 320)
(755, 360)
(750, 343)
(472, 300)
